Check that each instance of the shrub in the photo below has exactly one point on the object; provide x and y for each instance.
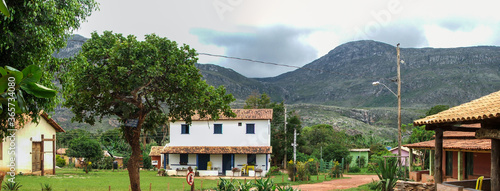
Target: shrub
(387, 175)
(46, 187)
(354, 169)
(103, 163)
(361, 161)
(336, 170)
(226, 185)
(265, 185)
(312, 166)
(11, 186)
(60, 162)
(273, 171)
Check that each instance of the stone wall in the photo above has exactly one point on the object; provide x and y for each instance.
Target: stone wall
(413, 186)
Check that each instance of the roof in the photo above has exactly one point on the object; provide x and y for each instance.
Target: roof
(456, 144)
(52, 123)
(217, 150)
(61, 151)
(155, 151)
(243, 114)
(359, 150)
(458, 135)
(486, 107)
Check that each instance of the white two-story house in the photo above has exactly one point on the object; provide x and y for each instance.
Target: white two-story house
(227, 143)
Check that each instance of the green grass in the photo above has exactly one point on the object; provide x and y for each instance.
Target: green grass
(75, 180)
(363, 187)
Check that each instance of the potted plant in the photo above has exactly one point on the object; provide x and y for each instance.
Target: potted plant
(235, 170)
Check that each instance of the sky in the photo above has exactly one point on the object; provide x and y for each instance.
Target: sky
(296, 32)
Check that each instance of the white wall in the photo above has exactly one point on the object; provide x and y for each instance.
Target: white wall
(201, 133)
(174, 160)
(23, 146)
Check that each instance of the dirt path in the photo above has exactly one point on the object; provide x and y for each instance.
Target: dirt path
(353, 181)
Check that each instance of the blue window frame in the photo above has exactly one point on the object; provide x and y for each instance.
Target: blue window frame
(250, 128)
(217, 128)
(184, 129)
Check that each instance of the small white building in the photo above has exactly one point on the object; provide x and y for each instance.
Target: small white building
(216, 147)
(32, 149)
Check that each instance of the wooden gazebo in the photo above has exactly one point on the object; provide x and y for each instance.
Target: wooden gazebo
(486, 111)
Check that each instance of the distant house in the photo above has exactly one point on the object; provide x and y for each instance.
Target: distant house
(156, 156)
(215, 148)
(358, 153)
(474, 156)
(405, 154)
(35, 147)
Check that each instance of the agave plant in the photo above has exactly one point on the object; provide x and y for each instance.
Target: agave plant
(245, 186)
(11, 186)
(387, 175)
(286, 188)
(265, 185)
(46, 187)
(226, 185)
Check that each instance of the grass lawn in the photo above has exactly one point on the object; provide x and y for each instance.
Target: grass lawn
(363, 187)
(75, 179)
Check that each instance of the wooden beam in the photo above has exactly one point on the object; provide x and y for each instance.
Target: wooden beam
(431, 163)
(488, 133)
(450, 128)
(411, 160)
(42, 154)
(54, 154)
(495, 164)
(438, 157)
(460, 166)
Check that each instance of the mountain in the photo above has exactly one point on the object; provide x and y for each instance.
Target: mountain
(344, 77)
(337, 88)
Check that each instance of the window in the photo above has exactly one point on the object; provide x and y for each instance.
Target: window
(184, 159)
(449, 163)
(251, 159)
(250, 128)
(217, 128)
(184, 129)
(239, 124)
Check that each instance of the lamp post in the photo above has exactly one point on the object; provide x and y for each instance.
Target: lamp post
(398, 95)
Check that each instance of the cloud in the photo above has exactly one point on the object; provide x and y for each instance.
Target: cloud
(409, 35)
(277, 44)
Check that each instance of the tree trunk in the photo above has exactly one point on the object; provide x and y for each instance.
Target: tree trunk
(132, 135)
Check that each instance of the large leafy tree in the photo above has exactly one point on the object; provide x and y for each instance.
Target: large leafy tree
(86, 148)
(334, 143)
(30, 32)
(149, 81)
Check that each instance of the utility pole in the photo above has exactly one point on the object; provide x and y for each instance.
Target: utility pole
(286, 153)
(399, 106)
(294, 144)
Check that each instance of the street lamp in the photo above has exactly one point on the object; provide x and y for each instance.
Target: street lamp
(399, 101)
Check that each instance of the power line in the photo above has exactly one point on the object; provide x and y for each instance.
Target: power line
(271, 63)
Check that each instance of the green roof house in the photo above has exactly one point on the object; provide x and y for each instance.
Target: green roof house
(358, 153)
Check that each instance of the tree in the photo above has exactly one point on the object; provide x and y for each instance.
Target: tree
(436, 109)
(324, 137)
(14, 86)
(30, 35)
(256, 101)
(83, 147)
(147, 81)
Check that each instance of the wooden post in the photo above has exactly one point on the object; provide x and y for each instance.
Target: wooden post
(282, 180)
(325, 176)
(109, 188)
(54, 154)
(201, 185)
(168, 186)
(460, 166)
(431, 162)
(183, 185)
(150, 186)
(438, 157)
(317, 177)
(495, 167)
(245, 180)
(411, 160)
(41, 156)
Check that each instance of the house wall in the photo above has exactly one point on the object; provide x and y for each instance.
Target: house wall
(23, 147)
(355, 154)
(157, 158)
(216, 159)
(404, 154)
(482, 164)
(201, 133)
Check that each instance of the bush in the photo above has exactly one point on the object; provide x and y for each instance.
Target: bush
(336, 170)
(273, 171)
(298, 170)
(312, 166)
(103, 163)
(60, 162)
(361, 161)
(354, 169)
